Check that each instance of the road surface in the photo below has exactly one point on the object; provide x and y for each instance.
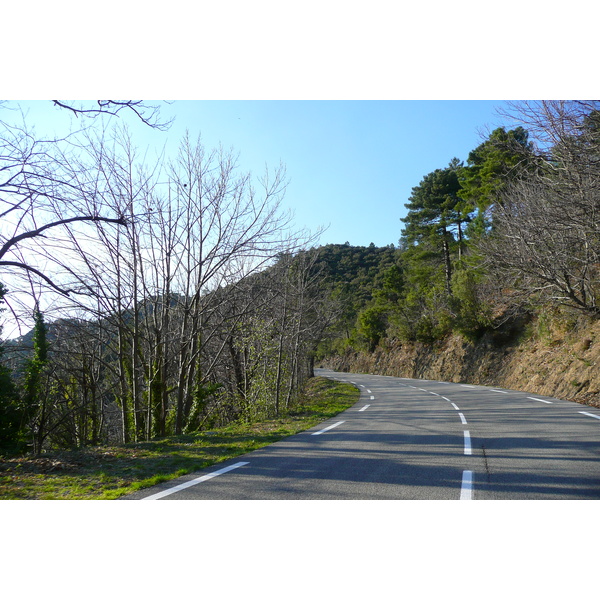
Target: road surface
(418, 440)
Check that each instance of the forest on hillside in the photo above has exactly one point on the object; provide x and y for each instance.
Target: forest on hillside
(183, 298)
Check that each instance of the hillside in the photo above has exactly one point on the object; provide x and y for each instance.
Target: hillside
(558, 361)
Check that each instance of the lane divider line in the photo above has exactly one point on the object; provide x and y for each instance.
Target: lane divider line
(467, 443)
(589, 414)
(455, 407)
(462, 418)
(328, 428)
(466, 488)
(499, 391)
(539, 400)
(363, 408)
(187, 484)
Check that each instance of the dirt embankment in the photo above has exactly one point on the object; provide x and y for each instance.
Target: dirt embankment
(562, 364)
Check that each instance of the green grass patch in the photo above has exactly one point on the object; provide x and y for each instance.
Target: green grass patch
(108, 472)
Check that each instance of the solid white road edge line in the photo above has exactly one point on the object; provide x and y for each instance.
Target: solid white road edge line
(187, 484)
(589, 414)
(467, 443)
(328, 428)
(363, 408)
(466, 489)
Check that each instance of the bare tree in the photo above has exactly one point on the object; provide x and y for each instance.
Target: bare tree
(46, 195)
(546, 236)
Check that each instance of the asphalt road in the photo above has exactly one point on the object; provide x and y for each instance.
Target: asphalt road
(418, 440)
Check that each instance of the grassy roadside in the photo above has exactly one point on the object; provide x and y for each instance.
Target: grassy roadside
(108, 472)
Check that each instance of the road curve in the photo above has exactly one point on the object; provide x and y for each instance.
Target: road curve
(418, 440)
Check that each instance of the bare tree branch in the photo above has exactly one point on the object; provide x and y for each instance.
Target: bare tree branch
(148, 114)
(31, 234)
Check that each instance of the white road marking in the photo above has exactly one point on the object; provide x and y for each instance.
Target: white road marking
(363, 408)
(467, 386)
(499, 391)
(462, 418)
(539, 399)
(448, 399)
(371, 397)
(456, 407)
(187, 484)
(589, 414)
(467, 443)
(434, 394)
(466, 489)
(328, 428)
(369, 392)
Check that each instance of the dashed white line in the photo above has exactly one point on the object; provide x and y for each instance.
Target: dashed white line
(371, 397)
(448, 399)
(462, 418)
(499, 391)
(434, 394)
(369, 392)
(455, 407)
(328, 428)
(539, 400)
(589, 414)
(196, 481)
(466, 489)
(467, 443)
(363, 408)
(467, 386)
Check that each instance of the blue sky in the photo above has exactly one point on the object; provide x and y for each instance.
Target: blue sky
(351, 165)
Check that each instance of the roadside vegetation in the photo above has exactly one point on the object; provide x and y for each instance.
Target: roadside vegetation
(109, 472)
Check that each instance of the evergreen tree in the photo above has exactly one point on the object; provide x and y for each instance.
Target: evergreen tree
(34, 400)
(503, 157)
(436, 218)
